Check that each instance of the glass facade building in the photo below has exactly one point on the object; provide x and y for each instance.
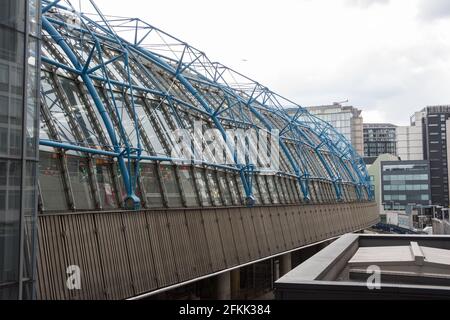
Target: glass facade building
(19, 113)
(347, 120)
(435, 132)
(405, 183)
(379, 138)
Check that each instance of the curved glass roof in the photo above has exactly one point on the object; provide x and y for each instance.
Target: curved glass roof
(121, 88)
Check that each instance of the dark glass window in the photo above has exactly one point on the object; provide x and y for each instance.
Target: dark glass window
(200, 180)
(51, 182)
(170, 185)
(108, 196)
(187, 185)
(80, 181)
(153, 193)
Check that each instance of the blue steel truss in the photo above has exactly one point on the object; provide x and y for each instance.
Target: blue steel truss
(92, 46)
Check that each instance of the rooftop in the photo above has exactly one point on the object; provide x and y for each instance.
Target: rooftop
(404, 266)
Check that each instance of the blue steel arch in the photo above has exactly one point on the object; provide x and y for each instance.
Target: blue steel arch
(191, 68)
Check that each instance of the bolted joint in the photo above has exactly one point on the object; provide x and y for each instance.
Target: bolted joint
(132, 202)
(250, 201)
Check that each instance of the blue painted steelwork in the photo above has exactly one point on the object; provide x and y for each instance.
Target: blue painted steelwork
(131, 197)
(237, 100)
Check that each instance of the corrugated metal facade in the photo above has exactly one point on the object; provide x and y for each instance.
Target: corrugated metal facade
(123, 254)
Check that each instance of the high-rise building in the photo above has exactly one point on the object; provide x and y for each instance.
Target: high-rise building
(405, 183)
(374, 170)
(379, 138)
(410, 139)
(347, 120)
(19, 77)
(435, 128)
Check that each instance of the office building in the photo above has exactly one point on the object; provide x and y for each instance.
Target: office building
(405, 183)
(19, 56)
(375, 177)
(410, 139)
(379, 138)
(347, 120)
(435, 132)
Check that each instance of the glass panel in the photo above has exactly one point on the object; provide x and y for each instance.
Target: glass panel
(33, 7)
(12, 14)
(9, 292)
(170, 186)
(278, 185)
(240, 187)
(224, 188)
(150, 180)
(295, 187)
(201, 186)
(79, 112)
(10, 180)
(263, 188)
(53, 102)
(11, 92)
(108, 197)
(233, 189)
(272, 189)
(80, 181)
(32, 100)
(284, 190)
(214, 188)
(51, 182)
(255, 190)
(188, 186)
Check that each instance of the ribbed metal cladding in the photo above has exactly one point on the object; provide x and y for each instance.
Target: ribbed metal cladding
(124, 254)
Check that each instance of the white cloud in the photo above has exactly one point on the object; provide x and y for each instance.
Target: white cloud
(383, 58)
(434, 9)
(366, 3)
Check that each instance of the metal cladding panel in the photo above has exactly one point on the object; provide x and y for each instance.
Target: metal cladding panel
(320, 217)
(278, 230)
(51, 267)
(326, 220)
(122, 254)
(80, 240)
(184, 257)
(339, 212)
(261, 235)
(250, 233)
(216, 250)
(318, 214)
(226, 235)
(307, 223)
(331, 220)
(161, 244)
(198, 241)
(59, 258)
(140, 251)
(286, 226)
(347, 218)
(297, 229)
(114, 256)
(272, 243)
(239, 235)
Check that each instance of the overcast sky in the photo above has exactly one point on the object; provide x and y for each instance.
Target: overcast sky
(387, 57)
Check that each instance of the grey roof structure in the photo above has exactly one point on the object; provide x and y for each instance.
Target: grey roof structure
(362, 266)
